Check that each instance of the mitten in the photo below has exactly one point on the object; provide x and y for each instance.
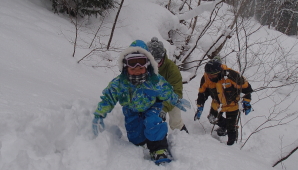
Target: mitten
(199, 113)
(182, 103)
(97, 124)
(163, 115)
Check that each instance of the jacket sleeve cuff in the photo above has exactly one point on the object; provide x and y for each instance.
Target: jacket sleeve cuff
(97, 113)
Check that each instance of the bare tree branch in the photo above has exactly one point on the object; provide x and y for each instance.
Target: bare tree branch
(114, 25)
(286, 157)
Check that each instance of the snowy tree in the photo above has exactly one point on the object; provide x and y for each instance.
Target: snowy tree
(288, 18)
(82, 7)
(279, 14)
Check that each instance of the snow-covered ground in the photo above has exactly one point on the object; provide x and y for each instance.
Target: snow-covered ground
(47, 100)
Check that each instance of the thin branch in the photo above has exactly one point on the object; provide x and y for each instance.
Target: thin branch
(286, 157)
(114, 25)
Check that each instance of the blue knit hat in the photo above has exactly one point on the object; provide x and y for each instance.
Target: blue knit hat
(139, 43)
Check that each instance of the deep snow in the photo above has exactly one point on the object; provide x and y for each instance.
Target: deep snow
(47, 100)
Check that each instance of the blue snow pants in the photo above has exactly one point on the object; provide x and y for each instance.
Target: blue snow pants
(141, 126)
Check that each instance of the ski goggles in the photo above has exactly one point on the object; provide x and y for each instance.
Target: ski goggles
(134, 60)
(213, 73)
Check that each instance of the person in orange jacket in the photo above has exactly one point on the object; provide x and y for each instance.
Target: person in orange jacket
(224, 85)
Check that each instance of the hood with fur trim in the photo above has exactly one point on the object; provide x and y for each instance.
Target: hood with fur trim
(141, 50)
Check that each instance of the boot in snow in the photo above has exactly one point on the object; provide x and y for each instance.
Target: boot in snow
(231, 137)
(221, 131)
(184, 128)
(160, 156)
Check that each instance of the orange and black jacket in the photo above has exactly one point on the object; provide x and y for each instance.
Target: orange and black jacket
(226, 92)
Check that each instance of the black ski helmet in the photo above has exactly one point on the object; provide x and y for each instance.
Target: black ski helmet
(213, 67)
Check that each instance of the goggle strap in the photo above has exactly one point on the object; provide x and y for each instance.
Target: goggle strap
(125, 63)
(134, 55)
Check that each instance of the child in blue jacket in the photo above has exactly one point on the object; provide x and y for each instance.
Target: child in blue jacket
(140, 90)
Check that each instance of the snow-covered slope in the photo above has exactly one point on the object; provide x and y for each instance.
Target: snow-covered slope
(47, 100)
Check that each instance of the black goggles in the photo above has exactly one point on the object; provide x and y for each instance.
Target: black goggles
(213, 73)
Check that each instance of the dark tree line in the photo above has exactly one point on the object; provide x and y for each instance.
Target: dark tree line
(81, 7)
(280, 14)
